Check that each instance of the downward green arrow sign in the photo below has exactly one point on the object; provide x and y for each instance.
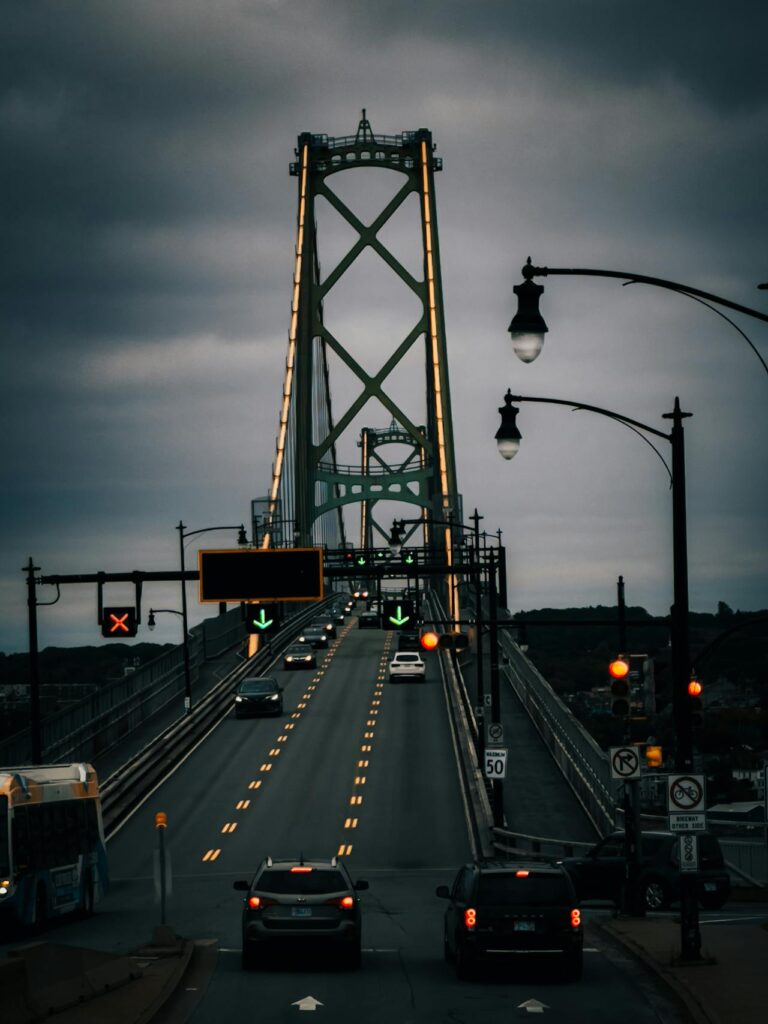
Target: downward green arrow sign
(263, 622)
(409, 560)
(399, 619)
(361, 561)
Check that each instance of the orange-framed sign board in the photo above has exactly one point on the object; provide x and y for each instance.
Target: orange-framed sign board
(261, 574)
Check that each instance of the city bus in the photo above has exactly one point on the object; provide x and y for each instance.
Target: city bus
(53, 857)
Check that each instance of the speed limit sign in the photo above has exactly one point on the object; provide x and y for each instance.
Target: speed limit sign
(496, 763)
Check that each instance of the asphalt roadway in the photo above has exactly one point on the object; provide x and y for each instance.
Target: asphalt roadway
(286, 785)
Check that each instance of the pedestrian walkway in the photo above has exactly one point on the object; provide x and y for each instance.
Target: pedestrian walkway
(730, 986)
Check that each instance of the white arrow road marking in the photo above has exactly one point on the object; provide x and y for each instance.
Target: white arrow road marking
(533, 1006)
(307, 1003)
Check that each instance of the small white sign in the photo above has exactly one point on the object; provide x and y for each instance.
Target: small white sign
(685, 794)
(496, 763)
(687, 823)
(625, 762)
(494, 734)
(689, 853)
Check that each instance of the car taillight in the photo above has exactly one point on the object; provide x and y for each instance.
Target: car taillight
(259, 902)
(345, 902)
(575, 918)
(470, 919)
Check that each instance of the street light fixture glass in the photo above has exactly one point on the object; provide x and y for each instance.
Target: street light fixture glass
(508, 436)
(528, 327)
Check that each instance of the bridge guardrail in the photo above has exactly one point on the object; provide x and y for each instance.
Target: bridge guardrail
(585, 767)
(464, 731)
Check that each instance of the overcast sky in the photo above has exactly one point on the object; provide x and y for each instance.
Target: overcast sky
(148, 231)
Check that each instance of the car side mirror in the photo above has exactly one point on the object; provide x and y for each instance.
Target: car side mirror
(361, 884)
(242, 885)
(443, 892)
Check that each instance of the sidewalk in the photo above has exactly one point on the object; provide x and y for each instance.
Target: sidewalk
(732, 990)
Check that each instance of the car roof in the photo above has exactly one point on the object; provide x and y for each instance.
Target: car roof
(285, 863)
(258, 679)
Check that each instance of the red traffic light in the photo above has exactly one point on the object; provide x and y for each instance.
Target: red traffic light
(619, 668)
(429, 640)
(695, 687)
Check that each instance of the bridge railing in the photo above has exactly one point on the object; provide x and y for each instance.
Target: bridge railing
(586, 768)
(106, 717)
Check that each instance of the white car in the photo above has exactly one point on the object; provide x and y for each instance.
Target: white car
(407, 664)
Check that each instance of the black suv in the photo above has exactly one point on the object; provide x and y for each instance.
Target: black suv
(503, 908)
(312, 901)
(601, 874)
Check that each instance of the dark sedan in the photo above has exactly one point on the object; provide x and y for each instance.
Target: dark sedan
(258, 695)
(299, 656)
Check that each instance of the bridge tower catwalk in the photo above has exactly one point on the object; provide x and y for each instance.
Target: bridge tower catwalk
(317, 485)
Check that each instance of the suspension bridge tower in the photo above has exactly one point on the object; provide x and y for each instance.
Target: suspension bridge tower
(309, 485)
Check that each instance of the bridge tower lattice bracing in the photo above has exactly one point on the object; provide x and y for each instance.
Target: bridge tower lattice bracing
(309, 487)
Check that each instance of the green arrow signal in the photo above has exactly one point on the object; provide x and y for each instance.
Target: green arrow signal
(409, 560)
(361, 561)
(263, 622)
(399, 619)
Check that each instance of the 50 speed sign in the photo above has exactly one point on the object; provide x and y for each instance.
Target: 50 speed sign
(496, 763)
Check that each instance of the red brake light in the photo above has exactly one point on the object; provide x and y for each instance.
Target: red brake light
(522, 874)
(259, 902)
(575, 918)
(470, 919)
(303, 870)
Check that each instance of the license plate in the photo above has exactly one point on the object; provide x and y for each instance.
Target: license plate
(710, 887)
(525, 926)
(301, 912)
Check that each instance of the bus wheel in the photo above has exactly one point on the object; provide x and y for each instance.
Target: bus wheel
(40, 910)
(88, 895)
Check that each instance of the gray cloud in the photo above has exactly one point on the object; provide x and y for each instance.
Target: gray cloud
(149, 226)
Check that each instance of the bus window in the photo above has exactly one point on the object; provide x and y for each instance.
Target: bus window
(5, 863)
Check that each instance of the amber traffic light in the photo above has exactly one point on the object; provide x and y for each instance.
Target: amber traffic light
(695, 704)
(618, 670)
(429, 640)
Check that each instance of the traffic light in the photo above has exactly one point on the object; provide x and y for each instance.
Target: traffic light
(695, 704)
(453, 641)
(398, 614)
(409, 558)
(429, 640)
(262, 618)
(118, 623)
(618, 670)
(654, 756)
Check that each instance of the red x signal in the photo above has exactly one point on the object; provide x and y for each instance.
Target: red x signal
(118, 622)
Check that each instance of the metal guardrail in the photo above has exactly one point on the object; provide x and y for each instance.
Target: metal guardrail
(95, 724)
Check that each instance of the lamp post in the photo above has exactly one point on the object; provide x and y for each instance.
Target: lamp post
(242, 539)
(679, 611)
(528, 327)
(681, 667)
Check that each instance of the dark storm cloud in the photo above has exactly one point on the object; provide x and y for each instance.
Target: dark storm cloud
(715, 50)
(148, 232)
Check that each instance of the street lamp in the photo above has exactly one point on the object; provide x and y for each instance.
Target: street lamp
(679, 618)
(508, 437)
(242, 539)
(682, 709)
(528, 328)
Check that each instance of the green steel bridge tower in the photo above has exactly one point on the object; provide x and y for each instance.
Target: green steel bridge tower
(309, 486)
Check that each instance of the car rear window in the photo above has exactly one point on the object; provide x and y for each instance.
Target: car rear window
(310, 883)
(407, 657)
(533, 890)
(255, 686)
